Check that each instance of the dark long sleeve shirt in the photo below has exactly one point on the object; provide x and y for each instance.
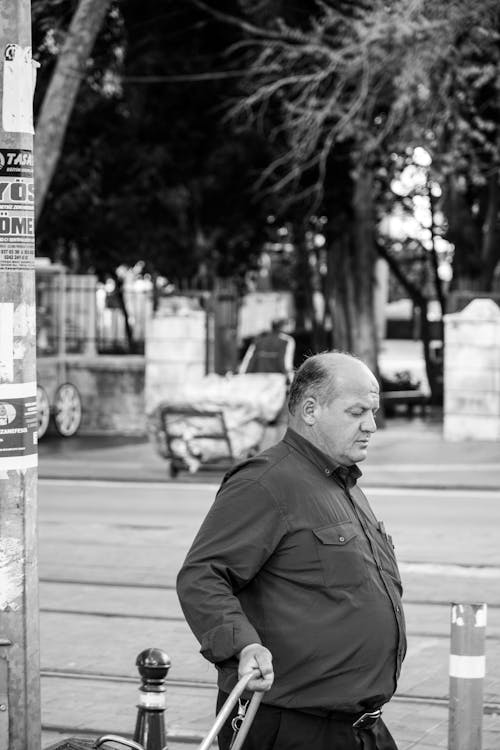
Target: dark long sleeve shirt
(291, 556)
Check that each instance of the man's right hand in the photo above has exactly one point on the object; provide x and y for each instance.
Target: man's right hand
(257, 657)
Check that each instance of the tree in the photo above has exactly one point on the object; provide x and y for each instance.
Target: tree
(326, 89)
(373, 80)
(466, 145)
(60, 95)
(165, 181)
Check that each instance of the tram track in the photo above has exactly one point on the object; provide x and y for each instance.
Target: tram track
(175, 618)
(171, 587)
(489, 706)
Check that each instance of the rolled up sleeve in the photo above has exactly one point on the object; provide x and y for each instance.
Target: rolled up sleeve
(240, 532)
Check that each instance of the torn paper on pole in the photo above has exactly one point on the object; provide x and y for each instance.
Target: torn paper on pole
(19, 77)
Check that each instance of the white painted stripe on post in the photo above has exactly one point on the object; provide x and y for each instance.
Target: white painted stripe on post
(467, 667)
(152, 700)
(8, 463)
(18, 390)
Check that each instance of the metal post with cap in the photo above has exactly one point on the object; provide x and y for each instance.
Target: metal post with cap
(467, 672)
(153, 665)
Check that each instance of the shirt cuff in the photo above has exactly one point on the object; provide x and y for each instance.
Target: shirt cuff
(225, 641)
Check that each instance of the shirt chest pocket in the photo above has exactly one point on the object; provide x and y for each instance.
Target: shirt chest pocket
(340, 554)
(388, 558)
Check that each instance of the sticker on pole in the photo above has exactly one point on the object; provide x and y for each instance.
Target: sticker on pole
(17, 210)
(6, 342)
(19, 76)
(18, 432)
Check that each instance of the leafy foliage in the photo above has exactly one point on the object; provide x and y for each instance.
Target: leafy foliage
(148, 170)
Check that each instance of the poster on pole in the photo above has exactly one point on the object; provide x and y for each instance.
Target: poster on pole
(18, 426)
(17, 210)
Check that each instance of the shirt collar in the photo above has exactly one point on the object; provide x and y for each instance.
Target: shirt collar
(346, 474)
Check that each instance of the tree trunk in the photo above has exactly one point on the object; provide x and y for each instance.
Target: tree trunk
(351, 273)
(463, 233)
(491, 241)
(303, 286)
(306, 315)
(62, 90)
(126, 319)
(425, 337)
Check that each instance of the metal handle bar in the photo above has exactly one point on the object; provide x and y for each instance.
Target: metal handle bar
(220, 720)
(225, 712)
(121, 740)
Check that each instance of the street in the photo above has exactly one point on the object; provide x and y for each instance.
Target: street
(108, 556)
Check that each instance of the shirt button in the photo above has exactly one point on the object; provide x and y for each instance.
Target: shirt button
(327, 472)
(341, 538)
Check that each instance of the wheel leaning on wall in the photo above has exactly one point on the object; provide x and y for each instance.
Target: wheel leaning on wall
(67, 410)
(43, 408)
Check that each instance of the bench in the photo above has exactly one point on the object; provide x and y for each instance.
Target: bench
(409, 399)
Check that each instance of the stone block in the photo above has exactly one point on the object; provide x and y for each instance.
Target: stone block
(472, 372)
(464, 378)
(459, 427)
(475, 333)
(176, 350)
(459, 357)
(192, 326)
(474, 403)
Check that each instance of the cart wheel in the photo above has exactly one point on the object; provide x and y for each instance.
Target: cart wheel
(67, 410)
(43, 409)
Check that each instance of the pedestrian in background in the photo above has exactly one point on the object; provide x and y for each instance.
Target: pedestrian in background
(271, 351)
(292, 575)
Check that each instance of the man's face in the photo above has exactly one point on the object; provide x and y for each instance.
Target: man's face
(344, 427)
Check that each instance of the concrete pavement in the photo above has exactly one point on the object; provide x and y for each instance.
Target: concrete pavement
(408, 453)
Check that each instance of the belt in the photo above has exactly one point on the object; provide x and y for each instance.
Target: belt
(368, 719)
(364, 720)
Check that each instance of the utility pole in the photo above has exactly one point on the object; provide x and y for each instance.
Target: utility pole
(19, 633)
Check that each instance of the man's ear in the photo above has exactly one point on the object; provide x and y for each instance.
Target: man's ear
(309, 410)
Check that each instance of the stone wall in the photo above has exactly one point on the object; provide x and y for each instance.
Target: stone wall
(112, 391)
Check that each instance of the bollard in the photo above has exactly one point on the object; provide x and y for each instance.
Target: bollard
(467, 671)
(153, 665)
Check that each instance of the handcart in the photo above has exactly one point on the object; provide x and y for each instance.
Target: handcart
(187, 431)
(215, 421)
(241, 729)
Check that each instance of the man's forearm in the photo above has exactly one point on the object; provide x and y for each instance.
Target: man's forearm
(214, 614)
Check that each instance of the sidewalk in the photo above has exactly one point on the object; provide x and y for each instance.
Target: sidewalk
(406, 453)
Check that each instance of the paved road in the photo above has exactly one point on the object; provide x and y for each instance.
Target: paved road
(109, 553)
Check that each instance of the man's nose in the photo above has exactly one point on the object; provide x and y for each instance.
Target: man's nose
(369, 424)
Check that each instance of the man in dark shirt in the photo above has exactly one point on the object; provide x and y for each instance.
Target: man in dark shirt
(292, 575)
(272, 351)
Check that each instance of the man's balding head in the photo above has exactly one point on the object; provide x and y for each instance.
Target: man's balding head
(322, 376)
(329, 392)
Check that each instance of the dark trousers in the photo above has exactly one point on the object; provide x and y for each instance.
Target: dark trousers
(286, 729)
